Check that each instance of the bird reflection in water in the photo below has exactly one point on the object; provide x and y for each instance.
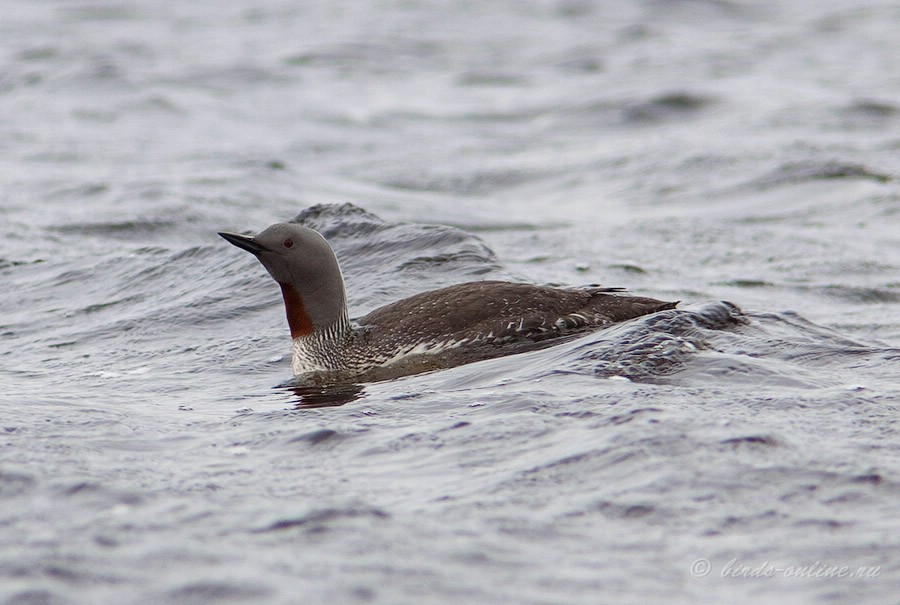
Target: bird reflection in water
(324, 396)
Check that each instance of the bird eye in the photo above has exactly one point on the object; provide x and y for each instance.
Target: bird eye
(288, 243)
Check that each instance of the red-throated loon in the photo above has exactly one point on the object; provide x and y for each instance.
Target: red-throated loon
(428, 331)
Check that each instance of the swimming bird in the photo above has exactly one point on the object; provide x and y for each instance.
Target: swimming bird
(433, 330)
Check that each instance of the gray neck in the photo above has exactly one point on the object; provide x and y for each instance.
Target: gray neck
(336, 330)
(321, 307)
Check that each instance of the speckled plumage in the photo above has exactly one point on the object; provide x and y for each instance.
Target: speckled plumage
(432, 330)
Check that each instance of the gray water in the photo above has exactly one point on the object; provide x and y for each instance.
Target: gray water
(740, 157)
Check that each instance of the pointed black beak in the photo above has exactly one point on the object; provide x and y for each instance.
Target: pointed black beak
(244, 241)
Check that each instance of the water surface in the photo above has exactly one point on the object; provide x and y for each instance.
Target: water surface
(739, 157)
